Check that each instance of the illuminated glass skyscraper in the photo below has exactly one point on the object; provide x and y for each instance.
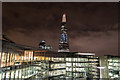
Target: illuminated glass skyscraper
(63, 42)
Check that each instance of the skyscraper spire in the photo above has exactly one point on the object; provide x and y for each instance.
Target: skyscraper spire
(64, 18)
(63, 42)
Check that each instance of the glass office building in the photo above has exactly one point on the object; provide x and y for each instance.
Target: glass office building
(15, 61)
(111, 66)
(81, 66)
(51, 65)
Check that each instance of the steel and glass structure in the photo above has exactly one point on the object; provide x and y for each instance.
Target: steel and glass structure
(63, 42)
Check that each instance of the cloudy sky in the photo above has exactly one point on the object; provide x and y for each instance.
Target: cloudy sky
(92, 27)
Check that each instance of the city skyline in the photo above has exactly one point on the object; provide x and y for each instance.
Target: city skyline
(92, 27)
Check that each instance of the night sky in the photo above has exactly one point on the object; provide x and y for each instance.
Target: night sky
(92, 27)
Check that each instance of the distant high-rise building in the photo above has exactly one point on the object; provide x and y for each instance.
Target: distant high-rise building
(42, 45)
(63, 42)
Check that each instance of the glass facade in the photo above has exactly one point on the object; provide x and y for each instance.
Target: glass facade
(51, 65)
(111, 67)
(14, 61)
(114, 67)
(82, 67)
